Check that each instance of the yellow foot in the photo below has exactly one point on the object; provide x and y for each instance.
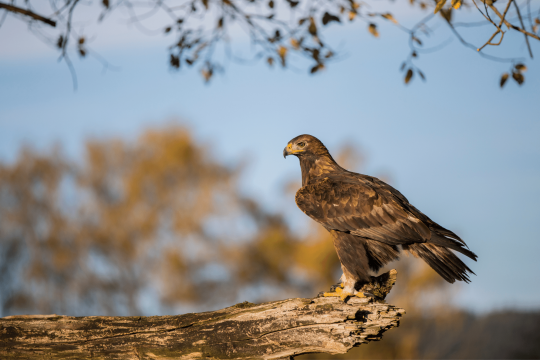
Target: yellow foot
(337, 293)
(343, 295)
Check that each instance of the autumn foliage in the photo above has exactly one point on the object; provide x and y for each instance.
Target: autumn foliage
(156, 220)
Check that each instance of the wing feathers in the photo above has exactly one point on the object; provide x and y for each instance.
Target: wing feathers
(364, 212)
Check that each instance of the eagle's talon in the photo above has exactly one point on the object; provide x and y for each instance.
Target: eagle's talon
(337, 286)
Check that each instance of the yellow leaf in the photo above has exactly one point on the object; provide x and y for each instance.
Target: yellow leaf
(439, 6)
(352, 15)
(456, 4)
(282, 52)
(389, 17)
(373, 30)
(295, 44)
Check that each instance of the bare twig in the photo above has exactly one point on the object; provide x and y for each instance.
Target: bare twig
(513, 26)
(499, 30)
(523, 26)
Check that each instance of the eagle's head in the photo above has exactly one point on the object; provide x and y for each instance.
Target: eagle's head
(305, 146)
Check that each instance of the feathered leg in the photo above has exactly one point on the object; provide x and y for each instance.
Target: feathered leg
(354, 263)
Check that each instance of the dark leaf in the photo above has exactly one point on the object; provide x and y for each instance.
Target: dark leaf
(409, 76)
(205, 3)
(312, 27)
(315, 69)
(327, 17)
(81, 41)
(270, 61)
(301, 21)
(447, 14)
(271, 4)
(167, 29)
(293, 4)
(518, 77)
(105, 3)
(174, 61)
(414, 54)
(417, 40)
(82, 52)
(220, 23)
(190, 61)
(504, 77)
(315, 55)
(60, 42)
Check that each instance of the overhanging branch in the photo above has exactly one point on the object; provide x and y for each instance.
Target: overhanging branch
(33, 15)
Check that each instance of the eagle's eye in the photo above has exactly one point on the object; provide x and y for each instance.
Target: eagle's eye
(301, 144)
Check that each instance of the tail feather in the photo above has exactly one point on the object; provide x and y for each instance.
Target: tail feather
(442, 260)
(451, 244)
(380, 254)
(443, 232)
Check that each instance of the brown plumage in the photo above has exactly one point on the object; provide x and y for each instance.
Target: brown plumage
(370, 220)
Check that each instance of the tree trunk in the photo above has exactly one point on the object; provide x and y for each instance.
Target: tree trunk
(272, 330)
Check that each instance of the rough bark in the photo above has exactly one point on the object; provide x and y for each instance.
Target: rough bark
(272, 330)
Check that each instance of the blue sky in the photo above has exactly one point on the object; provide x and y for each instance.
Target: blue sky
(462, 150)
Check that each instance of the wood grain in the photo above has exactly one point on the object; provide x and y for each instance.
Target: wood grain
(272, 330)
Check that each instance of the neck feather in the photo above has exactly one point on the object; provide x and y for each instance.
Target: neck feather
(313, 166)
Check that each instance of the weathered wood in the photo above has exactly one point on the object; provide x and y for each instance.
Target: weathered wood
(273, 330)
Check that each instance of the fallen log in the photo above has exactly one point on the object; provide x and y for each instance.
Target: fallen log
(273, 330)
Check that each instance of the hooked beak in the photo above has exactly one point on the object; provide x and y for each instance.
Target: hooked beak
(287, 150)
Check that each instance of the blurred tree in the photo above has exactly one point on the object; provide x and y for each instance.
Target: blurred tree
(152, 221)
(278, 30)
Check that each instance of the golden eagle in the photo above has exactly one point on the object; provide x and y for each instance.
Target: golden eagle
(369, 220)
